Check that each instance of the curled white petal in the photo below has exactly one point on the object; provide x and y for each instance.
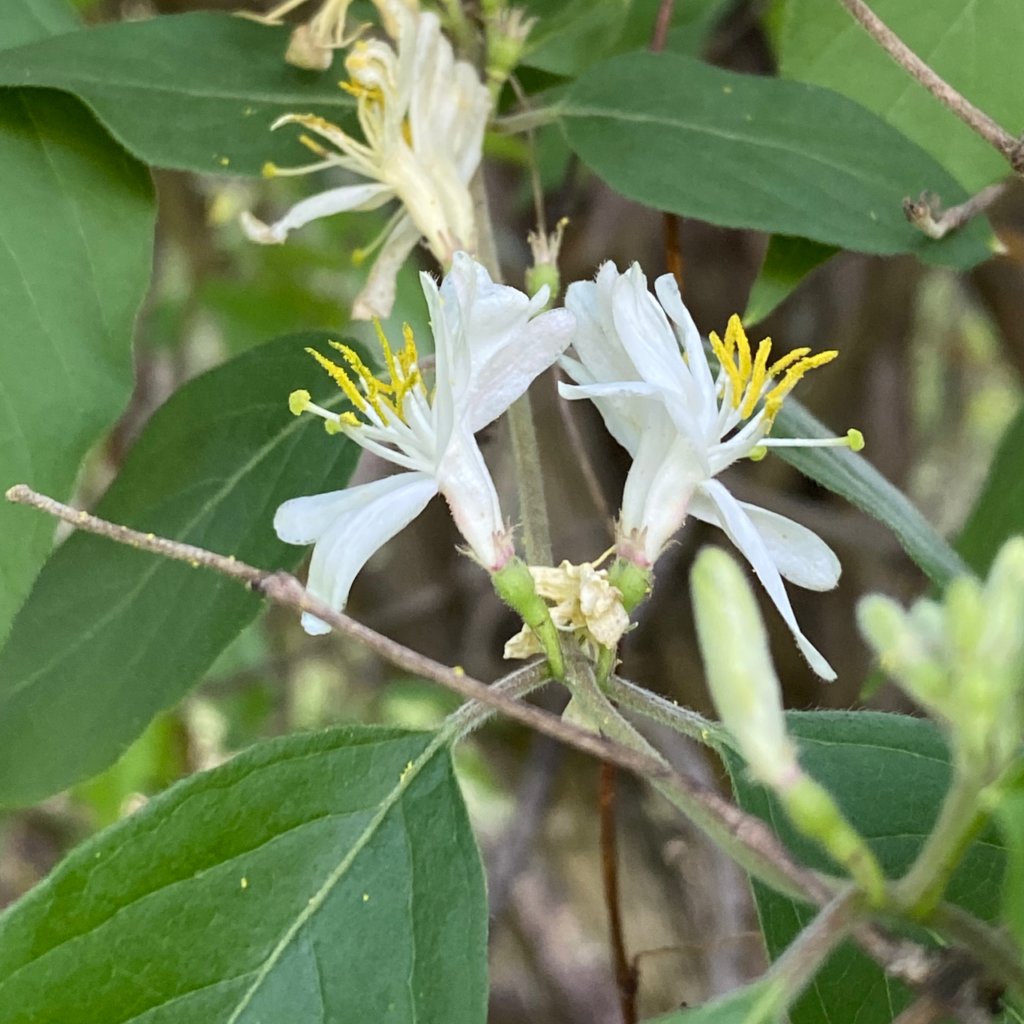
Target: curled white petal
(337, 200)
(799, 554)
(348, 527)
(742, 532)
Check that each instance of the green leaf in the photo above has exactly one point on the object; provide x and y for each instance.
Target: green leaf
(889, 774)
(852, 477)
(111, 635)
(76, 243)
(24, 21)
(572, 35)
(1010, 815)
(759, 1003)
(998, 514)
(196, 91)
(786, 263)
(748, 152)
(975, 45)
(322, 877)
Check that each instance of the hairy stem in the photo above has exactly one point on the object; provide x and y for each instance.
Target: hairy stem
(990, 946)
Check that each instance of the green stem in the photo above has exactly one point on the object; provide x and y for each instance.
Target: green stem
(471, 715)
(742, 848)
(960, 820)
(525, 451)
(682, 720)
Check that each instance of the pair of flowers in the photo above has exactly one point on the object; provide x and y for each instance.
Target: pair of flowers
(642, 363)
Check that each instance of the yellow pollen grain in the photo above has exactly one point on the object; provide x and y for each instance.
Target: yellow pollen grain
(341, 378)
(405, 772)
(245, 883)
(366, 897)
(726, 361)
(758, 376)
(224, 161)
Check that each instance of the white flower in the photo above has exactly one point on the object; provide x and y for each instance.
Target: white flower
(423, 114)
(683, 426)
(489, 344)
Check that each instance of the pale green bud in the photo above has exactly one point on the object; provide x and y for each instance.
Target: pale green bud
(633, 582)
(515, 585)
(905, 645)
(739, 668)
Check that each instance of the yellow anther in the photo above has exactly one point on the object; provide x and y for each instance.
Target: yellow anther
(361, 92)
(758, 376)
(736, 340)
(758, 453)
(298, 402)
(314, 146)
(372, 384)
(855, 439)
(774, 399)
(725, 359)
(383, 402)
(350, 419)
(790, 357)
(341, 378)
(332, 426)
(389, 358)
(407, 132)
(269, 170)
(408, 357)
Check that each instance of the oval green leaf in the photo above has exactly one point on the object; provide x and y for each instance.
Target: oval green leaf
(76, 248)
(110, 635)
(748, 152)
(326, 877)
(197, 92)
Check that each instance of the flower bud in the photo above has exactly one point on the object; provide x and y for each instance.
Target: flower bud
(739, 668)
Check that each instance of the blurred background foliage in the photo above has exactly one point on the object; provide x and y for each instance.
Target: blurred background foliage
(930, 371)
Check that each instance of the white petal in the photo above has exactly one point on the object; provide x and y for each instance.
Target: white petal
(667, 289)
(625, 418)
(503, 378)
(651, 344)
(336, 200)
(799, 554)
(466, 483)
(597, 343)
(365, 519)
(675, 473)
(378, 294)
(742, 532)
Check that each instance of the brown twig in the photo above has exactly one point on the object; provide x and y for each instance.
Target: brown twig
(661, 25)
(928, 216)
(625, 972)
(764, 854)
(977, 120)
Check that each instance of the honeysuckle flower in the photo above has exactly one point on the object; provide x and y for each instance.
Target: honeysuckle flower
(489, 343)
(650, 379)
(422, 114)
(583, 601)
